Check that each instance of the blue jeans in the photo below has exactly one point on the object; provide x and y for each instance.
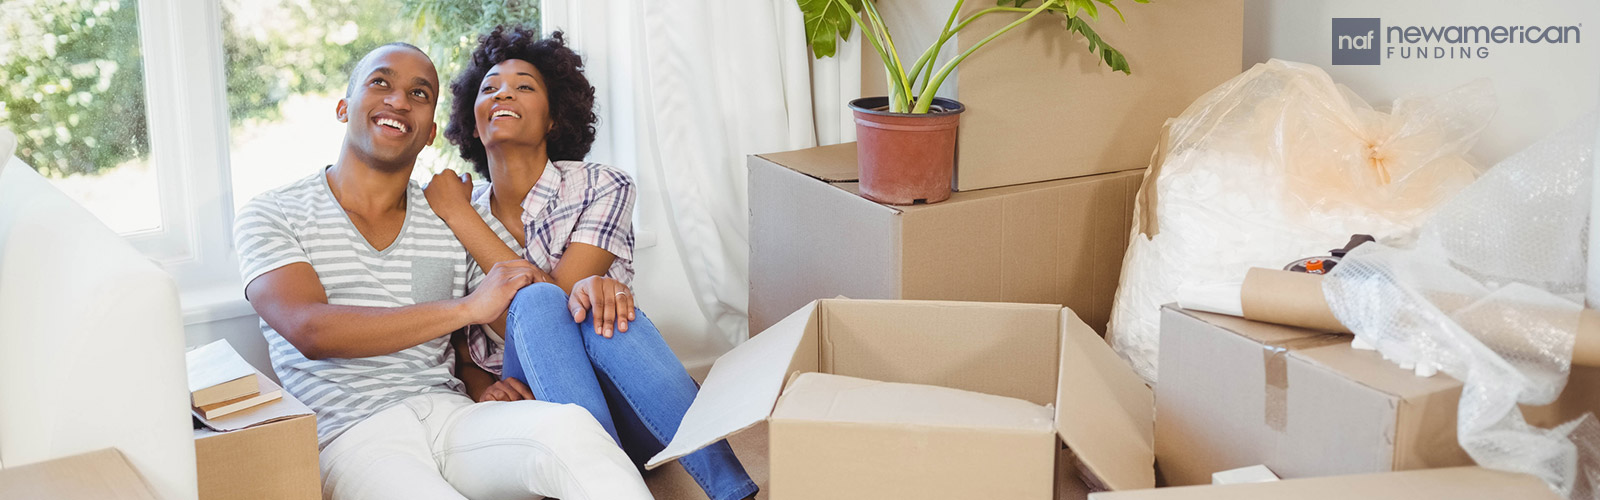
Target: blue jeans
(631, 382)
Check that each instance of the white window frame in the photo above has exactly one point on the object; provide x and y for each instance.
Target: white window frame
(187, 113)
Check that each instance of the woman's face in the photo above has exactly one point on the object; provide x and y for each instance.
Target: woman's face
(513, 106)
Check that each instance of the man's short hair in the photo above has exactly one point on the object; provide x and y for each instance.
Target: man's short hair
(356, 72)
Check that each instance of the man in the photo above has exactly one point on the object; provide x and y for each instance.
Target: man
(359, 287)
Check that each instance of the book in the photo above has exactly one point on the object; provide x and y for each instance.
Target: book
(264, 391)
(217, 374)
(285, 406)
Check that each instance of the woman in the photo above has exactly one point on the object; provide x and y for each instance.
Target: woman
(523, 114)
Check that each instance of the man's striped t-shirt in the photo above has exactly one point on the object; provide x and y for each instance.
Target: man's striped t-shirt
(302, 222)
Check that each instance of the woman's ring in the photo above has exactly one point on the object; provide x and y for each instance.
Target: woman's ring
(619, 294)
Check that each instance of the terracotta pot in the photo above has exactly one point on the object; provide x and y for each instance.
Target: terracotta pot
(906, 158)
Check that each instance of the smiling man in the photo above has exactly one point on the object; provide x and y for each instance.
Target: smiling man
(360, 287)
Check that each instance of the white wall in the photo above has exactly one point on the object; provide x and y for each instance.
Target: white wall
(1541, 87)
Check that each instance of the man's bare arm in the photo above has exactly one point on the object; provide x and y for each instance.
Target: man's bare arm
(292, 301)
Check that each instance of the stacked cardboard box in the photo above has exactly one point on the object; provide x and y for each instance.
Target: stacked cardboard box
(1040, 109)
(813, 236)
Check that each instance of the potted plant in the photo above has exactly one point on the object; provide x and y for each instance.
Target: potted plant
(907, 139)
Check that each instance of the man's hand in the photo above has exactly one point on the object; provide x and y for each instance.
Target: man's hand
(489, 301)
(507, 389)
(450, 194)
(606, 301)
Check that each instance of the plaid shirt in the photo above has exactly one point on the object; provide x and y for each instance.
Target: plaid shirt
(573, 202)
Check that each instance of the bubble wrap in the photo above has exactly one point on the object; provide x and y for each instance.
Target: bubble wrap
(1490, 293)
(1278, 164)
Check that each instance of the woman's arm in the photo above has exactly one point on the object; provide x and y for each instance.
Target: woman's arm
(450, 197)
(476, 379)
(605, 301)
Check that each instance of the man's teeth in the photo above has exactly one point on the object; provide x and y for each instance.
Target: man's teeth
(506, 112)
(388, 122)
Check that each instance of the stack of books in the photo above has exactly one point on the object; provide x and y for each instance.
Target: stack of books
(222, 383)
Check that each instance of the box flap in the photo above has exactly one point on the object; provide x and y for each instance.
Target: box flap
(823, 397)
(1104, 411)
(97, 475)
(742, 387)
(836, 163)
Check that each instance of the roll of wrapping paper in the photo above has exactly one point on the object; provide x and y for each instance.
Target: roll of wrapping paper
(1296, 299)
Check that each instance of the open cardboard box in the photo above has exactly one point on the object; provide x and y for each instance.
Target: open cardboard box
(1042, 354)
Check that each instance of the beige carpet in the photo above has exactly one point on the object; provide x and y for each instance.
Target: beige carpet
(670, 482)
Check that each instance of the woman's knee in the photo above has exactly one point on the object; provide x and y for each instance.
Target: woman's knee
(540, 298)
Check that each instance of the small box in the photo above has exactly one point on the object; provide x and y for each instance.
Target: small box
(1235, 392)
(275, 460)
(1040, 106)
(812, 236)
(1456, 483)
(1018, 357)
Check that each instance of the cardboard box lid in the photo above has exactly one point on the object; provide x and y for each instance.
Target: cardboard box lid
(1103, 409)
(1365, 367)
(836, 163)
(97, 475)
(1457, 483)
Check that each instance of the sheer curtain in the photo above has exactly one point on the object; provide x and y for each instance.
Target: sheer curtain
(686, 90)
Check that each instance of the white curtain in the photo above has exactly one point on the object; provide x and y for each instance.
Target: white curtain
(686, 90)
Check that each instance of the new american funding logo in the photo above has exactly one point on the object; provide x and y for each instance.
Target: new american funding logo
(1365, 40)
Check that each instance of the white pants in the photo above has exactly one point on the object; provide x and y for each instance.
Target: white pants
(441, 446)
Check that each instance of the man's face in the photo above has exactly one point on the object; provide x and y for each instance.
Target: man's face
(389, 110)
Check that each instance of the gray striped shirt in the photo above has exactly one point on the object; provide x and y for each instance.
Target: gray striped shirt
(302, 222)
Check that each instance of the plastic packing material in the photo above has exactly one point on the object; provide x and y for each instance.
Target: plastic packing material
(1491, 293)
(1278, 164)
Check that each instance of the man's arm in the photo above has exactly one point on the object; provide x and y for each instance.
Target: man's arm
(292, 301)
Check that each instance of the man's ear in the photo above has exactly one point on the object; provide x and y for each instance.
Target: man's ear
(433, 132)
(341, 111)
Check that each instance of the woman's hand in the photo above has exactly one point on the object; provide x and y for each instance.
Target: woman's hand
(507, 389)
(605, 301)
(450, 195)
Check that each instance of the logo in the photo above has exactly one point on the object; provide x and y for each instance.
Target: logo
(1357, 41)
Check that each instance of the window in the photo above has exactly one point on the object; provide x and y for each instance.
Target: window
(73, 94)
(288, 62)
(162, 116)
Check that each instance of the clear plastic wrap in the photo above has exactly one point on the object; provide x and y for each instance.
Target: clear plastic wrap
(1491, 293)
(1277, 164)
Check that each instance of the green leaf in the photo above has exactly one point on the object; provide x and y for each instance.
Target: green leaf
(1084, 5)
(1109, 55)
(1115, 9)
(826, 23)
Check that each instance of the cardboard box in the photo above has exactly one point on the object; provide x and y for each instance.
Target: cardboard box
(1041, 354)
(1235, 393)
(97, 475)
(1457, 483)
(1040, 106)
(812, 236)
(275, 460)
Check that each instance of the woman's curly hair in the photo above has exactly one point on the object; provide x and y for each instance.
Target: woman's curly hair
(570, 95)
